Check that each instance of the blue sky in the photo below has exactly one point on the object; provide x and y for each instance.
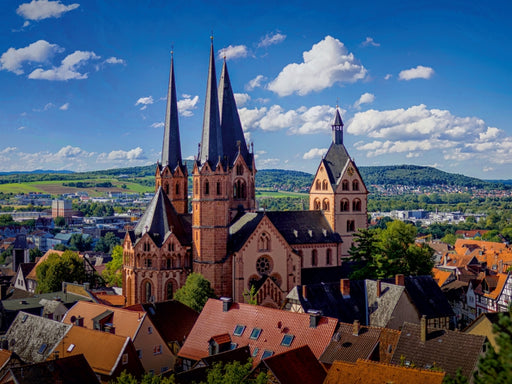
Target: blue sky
(83, 83)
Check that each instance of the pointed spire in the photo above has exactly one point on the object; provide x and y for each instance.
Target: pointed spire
(171, 149)
(233, 139)
(211, 141)
(337, 128)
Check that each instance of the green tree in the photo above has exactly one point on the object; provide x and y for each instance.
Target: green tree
(496, 365)
(34, 253)
(196, 292)
(250, 296)
(365, 252)
(449, 238)
(234, 373)
(58, 268)
(6, 220)
(59, 221)
(148, 378)
(459, 378)
(107, 243)
(113, 270)
(80, 243)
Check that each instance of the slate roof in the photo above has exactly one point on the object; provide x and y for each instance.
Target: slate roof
(298, 365)
(335, 161)
(160, 218)
(172, 319)
(69, 370)
(371, 372)
(380, 309)
(347, 346)
(442, 347)
(274, 324)
(297, 227)
(327, 298)
(33, 338)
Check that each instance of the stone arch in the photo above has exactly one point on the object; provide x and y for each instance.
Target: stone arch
(356, 205)
(240, 189)
(170, 286)
(325, 205)
(147, 291)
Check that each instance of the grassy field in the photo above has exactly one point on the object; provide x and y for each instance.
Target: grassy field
(278, 194)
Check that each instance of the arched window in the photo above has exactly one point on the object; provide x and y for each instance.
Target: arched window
(314, 257)
(239, 190)
(324, 185)
(239, 169)
(344, 185)
(317, 204)
(218, 188)
(318, 185)
(344, 205)
(206, 187)
(168, 263)
(355, 185)
(351, 226)
(264, 242)
(177, 188)
(356, 205)
(328, 256)
(325, 205)
(147, 293)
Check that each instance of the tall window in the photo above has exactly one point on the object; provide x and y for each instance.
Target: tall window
(169, 290)
(206, 187)
(177, 188)
(317, 204)
(325, 205)
(344, 185)
(356, 205)
(317, 184)
(239, 169)
(314, 257)
(148, 288)
(166, 188)
(218, 188)
(324, 185)
(264, 242)
(351, 226)
(355, 185)
(344, 205)
(328, 256)
(239, 190)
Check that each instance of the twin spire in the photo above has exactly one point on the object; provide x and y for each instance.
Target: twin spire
(222, 137)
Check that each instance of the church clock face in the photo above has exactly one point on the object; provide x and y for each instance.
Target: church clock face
(350, 171)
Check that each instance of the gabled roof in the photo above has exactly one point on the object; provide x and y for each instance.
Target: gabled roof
(126, 322)
(442, 277)
(297, 227)
(172, 319)
(102, 350)
(32, 274)
(33, 338)
(160, 219)
(273, 323)
(69, 370)
(372, 372)
(381, 309)
(441, 347)
(348, 346)
(335, 161)
(327, 297)
(298, 365)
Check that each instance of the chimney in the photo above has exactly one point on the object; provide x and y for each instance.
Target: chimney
(226, 303)
(400, 280)
(423, 330)
(355, 329)
(345, 287)
(314, 317)
(379, 288)
(305, 291)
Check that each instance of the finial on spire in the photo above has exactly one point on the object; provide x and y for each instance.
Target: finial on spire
(211, 36)
(172, 50)
(337, 102)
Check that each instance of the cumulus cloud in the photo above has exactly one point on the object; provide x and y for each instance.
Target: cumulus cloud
(144, 101)
(115, 60)
(314, 153)
(241, 98)
(44, 9)
(301, 121)
(68, 69)
(370, 41)
(420, 72)
(39, 52)
(327, 63)
(187, 105)
(132, 154)
(8, 150)
(388, 76)
(158, 125)
(255, 83)
(233, 52)
(64, 107)
(366, 98)
(417, 130)
(268, 163)
(271, 39)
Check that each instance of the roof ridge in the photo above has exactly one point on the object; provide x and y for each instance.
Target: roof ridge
(371, 362)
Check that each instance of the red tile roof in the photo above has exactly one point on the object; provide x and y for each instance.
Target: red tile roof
(274, 325)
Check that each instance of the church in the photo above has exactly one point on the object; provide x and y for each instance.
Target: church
(225, 237)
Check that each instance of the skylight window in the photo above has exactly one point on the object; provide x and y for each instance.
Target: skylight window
(267, 353)
(42, 348)
(239, 330)
(70, 348)
(255, 352)
(255, 333)
(233, 346)
(24, 318)
(287, 340)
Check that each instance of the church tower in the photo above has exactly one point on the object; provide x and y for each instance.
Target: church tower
(223, 182)
(338, 189)
(171, 174)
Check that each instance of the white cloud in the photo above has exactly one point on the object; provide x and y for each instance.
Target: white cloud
(419, 131)
(314, 153)
(388, 76)
(268, 163)
(301, 121)
(115, 60)
(157, 125)
(366, 98)
(68, 69)
(420, 72)
(370, 41)
(144, 101)
(271, 39)
(39, 52)
(48, 106)
(327, 63)
(241, 98)
(64, 107)
(132, 154)
(8, 150)
(21, 128)
(233, 52)
(187, 105)
(44, 9)
(255, 83)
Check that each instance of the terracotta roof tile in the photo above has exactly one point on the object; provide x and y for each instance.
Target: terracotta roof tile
(274, 325)
(371, 372)
(222, 338)
(441, 277)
